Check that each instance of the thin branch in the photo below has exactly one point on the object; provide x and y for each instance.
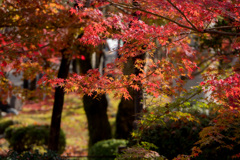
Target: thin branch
(209, 23)
(211, 31)
(182, 14)
(119, 7)
(202, 70)
(194, 94)
(220, 32)
(223, 27)
(2, 46)
(148, 12)
(204, 61)
(53, 26)
(23, 51)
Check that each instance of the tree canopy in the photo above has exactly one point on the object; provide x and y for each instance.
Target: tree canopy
(36, 35)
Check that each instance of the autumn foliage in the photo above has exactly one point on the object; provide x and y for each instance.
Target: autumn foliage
(36, 35)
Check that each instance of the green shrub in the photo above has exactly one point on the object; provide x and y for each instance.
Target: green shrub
(5, 123)
(173, 132)
(24, 138)
(176, 137)
(176, 133)
(108, 148)
(49, 155)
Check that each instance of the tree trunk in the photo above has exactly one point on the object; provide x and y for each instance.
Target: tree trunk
(129, 110)
(25, 84)
(98, 124)
(75, 65)
(33, 84)
(58, 105)
(125, 117)
(95, 107)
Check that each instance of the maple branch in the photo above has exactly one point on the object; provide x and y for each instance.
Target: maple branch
(150, 74)
(235, 52)
(220, 32)
(195, 73)
(154, 14)
(34, 50)
(223, 27)
(194, 94)
(102, 7)
(87, 3)
(182, 14)
(204, 61)
(198, 31)
(211, 31)
(2, 46)
(166, 18)
(52, 26)
(119, 7)
(24, 51)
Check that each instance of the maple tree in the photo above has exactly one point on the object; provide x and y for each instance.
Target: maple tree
(40, 32)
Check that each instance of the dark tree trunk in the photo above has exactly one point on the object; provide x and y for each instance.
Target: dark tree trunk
(98, 124)
(138, 94)
(33, 84)
(25, 87)
(95, 107)
(25, 84)
(75, 65)
(129, 110)
(58, 105)
(32, 87)
(29, 86)
(125, 117)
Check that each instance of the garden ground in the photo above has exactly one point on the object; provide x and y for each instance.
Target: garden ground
(74, 122)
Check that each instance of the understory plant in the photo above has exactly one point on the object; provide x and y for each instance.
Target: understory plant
(49, 155)
(25, 138)
(174, 127)
(106, 149)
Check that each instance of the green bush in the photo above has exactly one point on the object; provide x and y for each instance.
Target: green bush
(173, 132)
(5, 123)
(176, 137)
(176, 133)
(24, 138)
(108, 148)
(49, 155)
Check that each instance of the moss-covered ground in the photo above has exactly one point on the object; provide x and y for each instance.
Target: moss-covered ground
(74, 122)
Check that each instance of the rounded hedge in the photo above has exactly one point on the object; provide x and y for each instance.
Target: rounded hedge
(5, 123)
(24, 138)
(107, 148)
